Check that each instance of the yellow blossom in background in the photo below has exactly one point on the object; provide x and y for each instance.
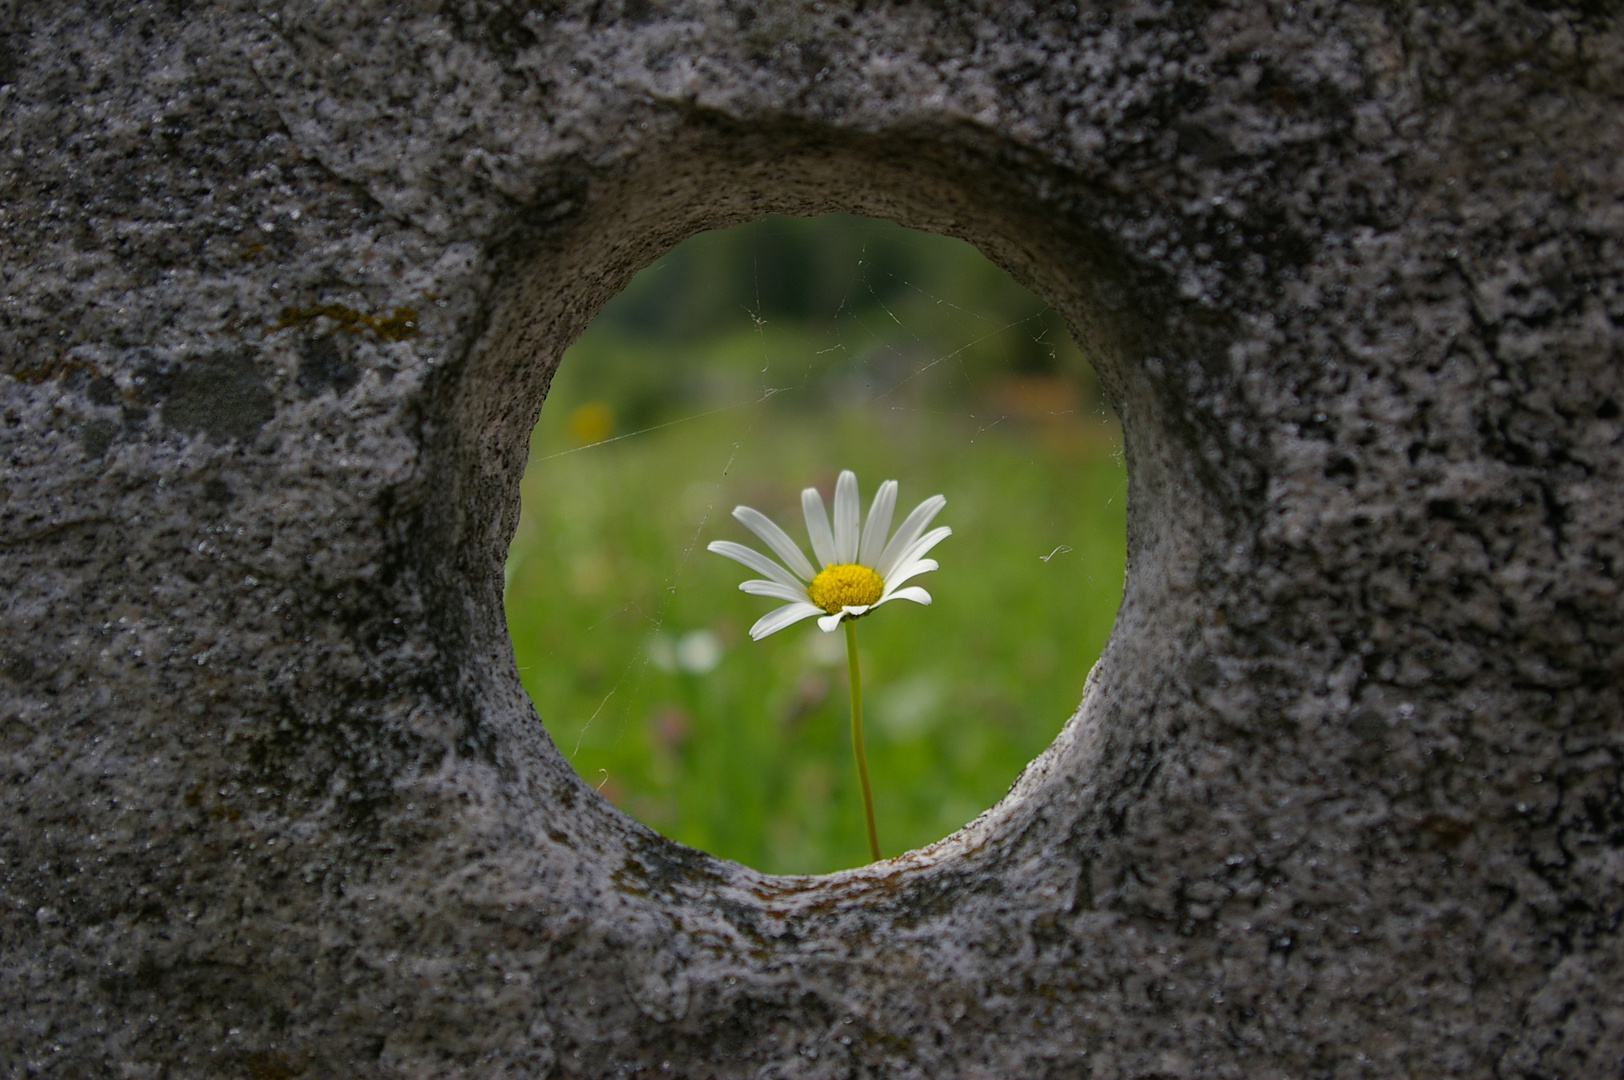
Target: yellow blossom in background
(591, 422)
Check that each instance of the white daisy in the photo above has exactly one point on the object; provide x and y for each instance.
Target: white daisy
(861, 570)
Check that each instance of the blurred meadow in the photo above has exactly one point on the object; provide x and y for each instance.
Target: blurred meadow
(741, 367)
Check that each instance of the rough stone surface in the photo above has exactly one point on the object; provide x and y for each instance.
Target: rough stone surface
(284, 284)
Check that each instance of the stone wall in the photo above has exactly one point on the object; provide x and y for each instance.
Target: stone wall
(284, 286)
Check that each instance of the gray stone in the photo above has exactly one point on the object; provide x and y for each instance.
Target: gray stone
(284, 288)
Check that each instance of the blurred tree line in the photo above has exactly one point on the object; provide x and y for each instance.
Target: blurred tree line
(819, 312)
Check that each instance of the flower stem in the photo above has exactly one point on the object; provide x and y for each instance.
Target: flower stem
(857, 734)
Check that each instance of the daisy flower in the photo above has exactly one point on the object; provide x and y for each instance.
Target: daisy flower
(861, 568)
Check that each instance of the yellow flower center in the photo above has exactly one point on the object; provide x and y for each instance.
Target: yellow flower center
(846, 585)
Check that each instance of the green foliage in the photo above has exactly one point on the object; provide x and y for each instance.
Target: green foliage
(835, 309)
(632, 639)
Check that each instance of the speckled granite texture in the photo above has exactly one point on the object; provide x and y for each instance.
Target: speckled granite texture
(283, 289)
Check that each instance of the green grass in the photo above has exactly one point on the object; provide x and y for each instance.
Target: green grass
(750, 760)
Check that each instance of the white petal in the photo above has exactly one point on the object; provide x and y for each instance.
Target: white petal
(828, 623)
(919, 547)
(878, 524)
(775, 538)
(778, 618)
(906, 571)
(855, 610)
(912, 526)
(817, 526)
(795, 594)
(755, 560)
(847, 509)
(912, 592)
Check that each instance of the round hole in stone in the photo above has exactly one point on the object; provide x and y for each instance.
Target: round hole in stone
(747, 363)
